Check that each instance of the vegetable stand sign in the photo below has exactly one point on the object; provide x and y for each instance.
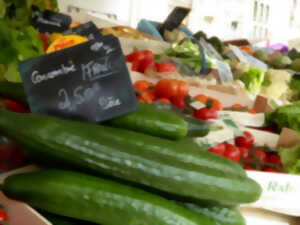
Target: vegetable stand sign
(280, 192)
(89, 81)
(49, 21)
(88, 30)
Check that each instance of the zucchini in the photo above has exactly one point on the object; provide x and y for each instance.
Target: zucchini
(222, 215)
(151, 120)
(97, 200)
(154, 162)
(13, 91)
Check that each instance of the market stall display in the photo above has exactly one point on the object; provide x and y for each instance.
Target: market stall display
(197, 147)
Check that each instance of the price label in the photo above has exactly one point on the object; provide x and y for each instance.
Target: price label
(49, 22)
(88, 82)
(224, 71)
(174, 19)
(88, 30)
(210, 50)
(246, 58)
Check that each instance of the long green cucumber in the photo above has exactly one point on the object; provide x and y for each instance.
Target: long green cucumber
(14, 91)
(222, 215)
(151, 120)
(62, 220)
(97, 200)
(143, 159)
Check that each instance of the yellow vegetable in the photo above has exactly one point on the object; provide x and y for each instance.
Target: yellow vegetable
(66, 42)
(54, 36)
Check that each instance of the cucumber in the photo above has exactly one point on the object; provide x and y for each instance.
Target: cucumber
(97, 200)
(62, 220)
(13, 91)
(151, 120)
(196, 127)
(222, 215)
(154, 162)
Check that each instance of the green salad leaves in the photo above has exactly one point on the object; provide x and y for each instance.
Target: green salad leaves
(18, 39)
(285, 116)
(290, 158)
(188, 53)
(253, 80)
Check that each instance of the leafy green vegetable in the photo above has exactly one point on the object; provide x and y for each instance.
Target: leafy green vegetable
(2, 8)
(295, 87)
(253, 80)
(290, 158)
(267, 80)
(18, 39)
(285, 116)
(188, 53)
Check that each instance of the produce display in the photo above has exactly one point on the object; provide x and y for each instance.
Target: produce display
(167, 163)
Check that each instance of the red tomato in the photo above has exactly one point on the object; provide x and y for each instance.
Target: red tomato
(135, 56)
(142, 85)
(179, 101)
(145, 96)
(135, 65)
(260, 155)
(232, 152)
(15, 106)
(164, 100)
(244, 152)
(218, 149)
(139, 55)
(145, 64)
(165, 67)
(166, 88)
(44, 38)
(3, 216)
(250, 168)
(149, 54)
(246, 141)
(183, 88)
(205, 114)
(275, 159)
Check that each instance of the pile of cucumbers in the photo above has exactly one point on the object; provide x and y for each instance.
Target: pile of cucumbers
(139, 169)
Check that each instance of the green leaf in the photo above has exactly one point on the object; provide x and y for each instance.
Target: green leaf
(290, 158)
(12, 74)
(267, 80)
(8, 52)
(253, 80)
(2, 9)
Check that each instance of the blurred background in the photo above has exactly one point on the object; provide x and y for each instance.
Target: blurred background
(260, 21)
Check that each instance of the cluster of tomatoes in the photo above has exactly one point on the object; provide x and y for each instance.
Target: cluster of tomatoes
(250, 156)
(242, 151)
(11, 155)
(3, 216)
(144, 60)
(176, 92)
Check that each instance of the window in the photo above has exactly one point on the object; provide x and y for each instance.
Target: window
(267, 13)
(261, 16)
(255, 10)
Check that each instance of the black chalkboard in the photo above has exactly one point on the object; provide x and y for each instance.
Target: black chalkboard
(88, 30)
(174, 19)
(87, 82)
(49, 22)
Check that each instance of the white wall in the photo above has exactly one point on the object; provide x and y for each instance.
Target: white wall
(215, 17)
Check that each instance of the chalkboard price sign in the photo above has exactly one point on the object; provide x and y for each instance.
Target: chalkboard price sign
(88, 30)
(49, 22)
(88, 82)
